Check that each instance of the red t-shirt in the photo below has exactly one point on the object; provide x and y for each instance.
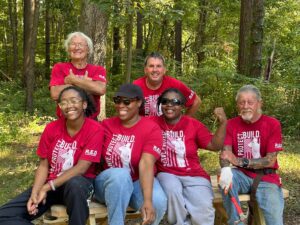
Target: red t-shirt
(254, 141)
(123, 147)
(61, 70)
(64, 151)
(179, 153)
(151, 96)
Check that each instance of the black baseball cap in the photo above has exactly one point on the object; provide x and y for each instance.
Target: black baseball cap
(130, 91)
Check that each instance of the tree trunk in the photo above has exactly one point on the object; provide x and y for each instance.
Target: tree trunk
(116, 62)
(47, 40)
(139, 30)
(12, 10)
(257, 38)
(31, 15)
(178, 41)
(201, 36)
(129, 30)
(251, 38)
(96, 29)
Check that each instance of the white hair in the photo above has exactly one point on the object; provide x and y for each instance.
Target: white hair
(249, 88)
(86, 38)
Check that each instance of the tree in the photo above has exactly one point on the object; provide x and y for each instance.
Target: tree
(96, 29)
(251, 38)
(47, 40)
(12, 11)
(178, 40)
(200, 33)
(31, 15)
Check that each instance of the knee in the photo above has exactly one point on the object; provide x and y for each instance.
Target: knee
(77, 186)
(114, 177)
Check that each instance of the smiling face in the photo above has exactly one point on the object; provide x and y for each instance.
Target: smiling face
(78, 48)
(154, 70)
(72, 105)
(171, 106)
(249, 107)
(127, 110)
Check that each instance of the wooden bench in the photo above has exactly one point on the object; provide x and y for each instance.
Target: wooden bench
(58, 215)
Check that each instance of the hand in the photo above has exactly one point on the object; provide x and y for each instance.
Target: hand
(69, 79)
(228, 155)
(148, 213)
(32, 204)
(225, 180)
(220, 114)
(86, 76)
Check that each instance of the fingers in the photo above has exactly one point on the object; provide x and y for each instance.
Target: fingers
(71, 72)
(86, 74)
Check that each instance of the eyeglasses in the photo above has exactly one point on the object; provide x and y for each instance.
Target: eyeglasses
(79, 45)
(73, 101)
(173, 102)
(126, 101)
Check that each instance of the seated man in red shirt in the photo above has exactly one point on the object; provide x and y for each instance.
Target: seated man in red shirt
(252, 143)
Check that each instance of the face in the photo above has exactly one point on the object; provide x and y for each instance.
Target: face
(71, 105)
(127, 108)
(171, 106)
(249, 107)
(155, 70)
(78, 48)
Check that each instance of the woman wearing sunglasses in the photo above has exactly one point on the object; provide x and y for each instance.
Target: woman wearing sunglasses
(185, 182)
(132, 145)
(68, 150)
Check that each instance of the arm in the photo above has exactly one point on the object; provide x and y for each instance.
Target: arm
(86, 83)
(55, 90)
(40, 178)
(190, 111)
(217, 141)
(260, 163)
(79, 169)
(146, 171)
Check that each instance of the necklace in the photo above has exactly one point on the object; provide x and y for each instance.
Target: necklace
(173, 126)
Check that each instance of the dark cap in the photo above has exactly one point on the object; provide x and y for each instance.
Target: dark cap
(130, 91)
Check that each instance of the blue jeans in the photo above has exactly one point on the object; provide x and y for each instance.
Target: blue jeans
(268, 196)
(115, 188)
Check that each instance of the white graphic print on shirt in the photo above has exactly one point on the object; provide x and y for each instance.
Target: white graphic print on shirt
(62, 156)
(151, 106)
(119, 151)
(249, 144)
(173, 150)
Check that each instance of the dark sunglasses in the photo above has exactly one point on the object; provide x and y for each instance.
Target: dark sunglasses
(173, 102)
(126, 101)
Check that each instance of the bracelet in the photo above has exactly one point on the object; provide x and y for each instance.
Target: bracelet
(50, 182)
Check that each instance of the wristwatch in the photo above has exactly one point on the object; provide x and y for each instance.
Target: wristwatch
(245, 162)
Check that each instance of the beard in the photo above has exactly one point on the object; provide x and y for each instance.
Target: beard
(248, 115)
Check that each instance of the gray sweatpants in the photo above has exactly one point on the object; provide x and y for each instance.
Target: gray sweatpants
(190, 199)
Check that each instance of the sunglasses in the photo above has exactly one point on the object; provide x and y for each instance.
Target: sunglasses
(172, 102)
(126, 101)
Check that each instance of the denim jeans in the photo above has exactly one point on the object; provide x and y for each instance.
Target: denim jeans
(115, 188)
(269, 198)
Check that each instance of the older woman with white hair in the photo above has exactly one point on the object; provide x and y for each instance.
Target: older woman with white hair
(78, 72)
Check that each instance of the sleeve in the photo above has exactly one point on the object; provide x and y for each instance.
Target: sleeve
(57, 75)
(204, 136)
(93, 146)
(153, 141)
(189, 94)
(44, 144)
(99, 74)
(274, 143)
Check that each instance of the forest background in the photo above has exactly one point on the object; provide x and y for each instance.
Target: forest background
(214, 46)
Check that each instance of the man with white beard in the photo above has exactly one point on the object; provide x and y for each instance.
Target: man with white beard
(251, 145)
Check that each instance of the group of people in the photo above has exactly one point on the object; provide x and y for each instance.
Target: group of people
(146, 156)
